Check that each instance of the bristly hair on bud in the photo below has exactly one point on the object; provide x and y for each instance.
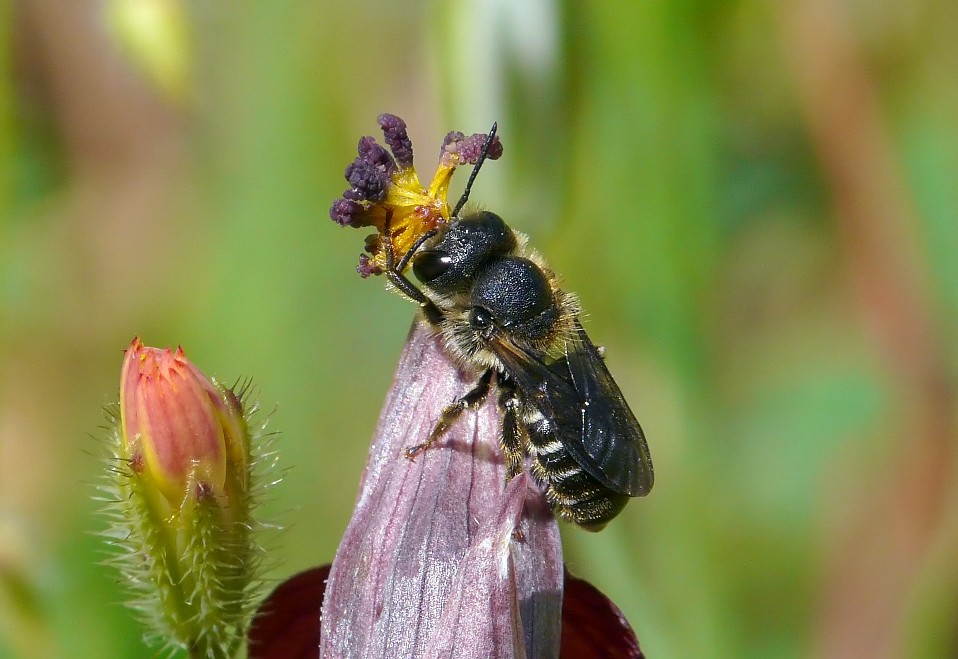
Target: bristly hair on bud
(384, 185)
(189, 460)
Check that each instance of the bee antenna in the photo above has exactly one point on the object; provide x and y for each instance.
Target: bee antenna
(475, 170)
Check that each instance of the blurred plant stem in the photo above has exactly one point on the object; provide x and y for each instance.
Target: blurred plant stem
(873, 563)
(7, 169)
(22, 623)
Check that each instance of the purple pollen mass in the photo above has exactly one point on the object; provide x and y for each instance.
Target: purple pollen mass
(394, 132)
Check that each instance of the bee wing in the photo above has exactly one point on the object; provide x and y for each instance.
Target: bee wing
(586, 409)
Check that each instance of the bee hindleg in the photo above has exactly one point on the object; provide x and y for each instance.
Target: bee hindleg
(512, 451)
(511, 442)
(452, 411)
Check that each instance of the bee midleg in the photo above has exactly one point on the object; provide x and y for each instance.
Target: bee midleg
(513, 437)
(452, 411)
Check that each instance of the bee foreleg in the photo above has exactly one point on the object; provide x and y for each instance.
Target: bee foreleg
(407, 288)
(452, 411)
(400, 281)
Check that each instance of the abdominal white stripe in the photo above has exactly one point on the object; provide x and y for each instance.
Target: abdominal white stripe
(533, 417)
(564, 474)
(548, 449)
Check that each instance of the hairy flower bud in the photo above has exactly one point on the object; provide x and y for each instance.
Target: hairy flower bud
(180, 501)
(172, 423)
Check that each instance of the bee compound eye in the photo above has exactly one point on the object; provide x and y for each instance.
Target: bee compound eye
(480, 318)
(430, 264)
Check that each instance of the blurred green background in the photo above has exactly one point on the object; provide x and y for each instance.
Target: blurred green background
(756, 202)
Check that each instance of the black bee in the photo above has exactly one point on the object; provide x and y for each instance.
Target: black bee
(498, 310)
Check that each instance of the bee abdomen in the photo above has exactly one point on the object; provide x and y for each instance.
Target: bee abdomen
(573, 493)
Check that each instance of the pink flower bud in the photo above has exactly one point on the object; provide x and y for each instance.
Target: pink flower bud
(179, 429)
(179, 498)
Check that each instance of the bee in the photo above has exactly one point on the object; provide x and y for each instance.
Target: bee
(499, 311)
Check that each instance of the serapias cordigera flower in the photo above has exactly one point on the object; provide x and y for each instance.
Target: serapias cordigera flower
(441, 557)
(180, 493)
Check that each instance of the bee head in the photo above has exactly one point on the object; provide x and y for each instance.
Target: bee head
(452, 262)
